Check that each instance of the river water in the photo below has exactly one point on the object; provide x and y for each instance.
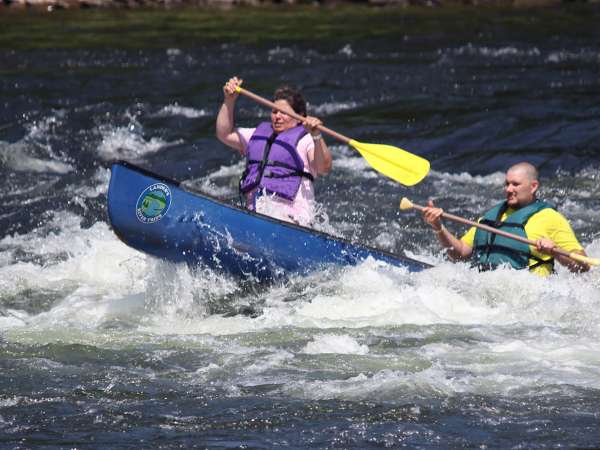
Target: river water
(105, 347)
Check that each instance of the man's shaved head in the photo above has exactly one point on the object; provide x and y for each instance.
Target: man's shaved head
(521, 184)
(527, 168)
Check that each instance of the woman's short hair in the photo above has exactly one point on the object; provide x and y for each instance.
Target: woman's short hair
(293, 97)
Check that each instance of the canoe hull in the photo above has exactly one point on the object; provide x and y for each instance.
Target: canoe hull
(156, 216)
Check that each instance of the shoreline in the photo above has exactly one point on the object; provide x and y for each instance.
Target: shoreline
(331, 24)
(53, 5)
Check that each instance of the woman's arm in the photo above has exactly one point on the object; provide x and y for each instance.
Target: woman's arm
(322, 156)
(225, 128)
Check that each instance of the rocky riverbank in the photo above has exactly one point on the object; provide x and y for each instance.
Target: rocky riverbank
(51, 5)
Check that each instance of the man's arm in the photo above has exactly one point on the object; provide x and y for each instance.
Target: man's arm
(457, 249)
(548, 245)
(556, 232)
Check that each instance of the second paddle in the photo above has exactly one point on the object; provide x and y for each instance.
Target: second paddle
(407, 204)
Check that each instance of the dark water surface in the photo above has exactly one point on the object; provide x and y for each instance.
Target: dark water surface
(103, 347)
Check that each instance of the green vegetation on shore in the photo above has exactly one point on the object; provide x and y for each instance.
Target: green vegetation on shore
(161, 28)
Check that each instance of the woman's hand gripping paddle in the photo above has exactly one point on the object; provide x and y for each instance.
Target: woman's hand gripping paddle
(398, 164)
(407, 204)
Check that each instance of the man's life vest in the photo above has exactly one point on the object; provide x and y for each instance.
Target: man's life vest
(491, 250)
(273, 162)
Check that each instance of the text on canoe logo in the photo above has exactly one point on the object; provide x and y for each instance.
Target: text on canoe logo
(153, 203)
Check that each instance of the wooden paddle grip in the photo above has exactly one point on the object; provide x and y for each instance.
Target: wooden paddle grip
(557, 251)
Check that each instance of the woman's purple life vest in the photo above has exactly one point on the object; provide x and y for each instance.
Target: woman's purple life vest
(273, 162)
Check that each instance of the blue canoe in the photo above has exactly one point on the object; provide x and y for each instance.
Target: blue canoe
(157, 216)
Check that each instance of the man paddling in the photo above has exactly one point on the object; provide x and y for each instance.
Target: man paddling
(521, 214)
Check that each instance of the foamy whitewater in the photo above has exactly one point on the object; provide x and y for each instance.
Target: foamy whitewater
(105, 347)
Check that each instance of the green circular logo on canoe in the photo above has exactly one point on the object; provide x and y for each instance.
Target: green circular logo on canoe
(153, 203)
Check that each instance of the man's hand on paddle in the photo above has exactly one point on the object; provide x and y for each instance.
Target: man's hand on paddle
(548, 246)
(456, 249)
(433, 216)
(545, 245)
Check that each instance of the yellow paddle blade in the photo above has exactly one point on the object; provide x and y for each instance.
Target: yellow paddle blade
(400, 165)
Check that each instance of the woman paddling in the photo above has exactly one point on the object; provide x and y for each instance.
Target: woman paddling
(283, 156)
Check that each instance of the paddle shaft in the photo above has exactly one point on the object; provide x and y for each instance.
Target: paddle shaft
(458, 219)
(269, 104)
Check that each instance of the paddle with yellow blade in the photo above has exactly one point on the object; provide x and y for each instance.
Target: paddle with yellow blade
(398, 164)
(407, 204)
